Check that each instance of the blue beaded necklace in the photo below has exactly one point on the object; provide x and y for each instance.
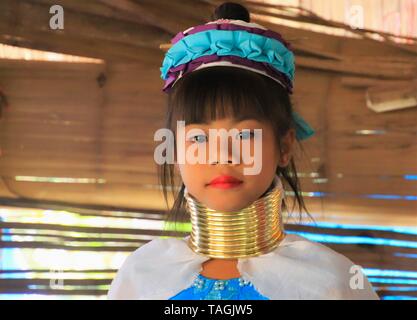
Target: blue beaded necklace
(204, 288)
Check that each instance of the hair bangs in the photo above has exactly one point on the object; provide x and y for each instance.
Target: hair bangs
(220, 92)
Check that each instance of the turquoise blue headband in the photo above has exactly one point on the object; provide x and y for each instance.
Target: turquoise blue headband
(255, 51)
(302, 128)
(243, 44)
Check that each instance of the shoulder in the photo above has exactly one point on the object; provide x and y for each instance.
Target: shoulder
(329, 273)
(302, 248)
(154, 249)
(143, 274)
(124, 285)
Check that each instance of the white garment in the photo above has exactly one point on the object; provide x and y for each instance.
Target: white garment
(297, 269)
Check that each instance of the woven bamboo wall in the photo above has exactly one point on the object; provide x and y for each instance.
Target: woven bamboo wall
(95, 121)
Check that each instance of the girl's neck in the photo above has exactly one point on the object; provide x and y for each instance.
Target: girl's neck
(221, 269)
(218, 240)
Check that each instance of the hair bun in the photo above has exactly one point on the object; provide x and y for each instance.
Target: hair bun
(231, 10)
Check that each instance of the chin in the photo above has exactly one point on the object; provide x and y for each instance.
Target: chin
(226, 207)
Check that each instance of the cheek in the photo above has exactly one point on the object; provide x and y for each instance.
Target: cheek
(270, 155)
(185, 174)
(191, 173)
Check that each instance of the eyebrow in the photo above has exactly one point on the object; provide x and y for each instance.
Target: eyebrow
(236, 120)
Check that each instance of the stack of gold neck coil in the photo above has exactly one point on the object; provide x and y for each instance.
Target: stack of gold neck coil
(252, 231)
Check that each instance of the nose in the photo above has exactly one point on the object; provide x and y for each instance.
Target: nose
(217, 162)
(227, 152)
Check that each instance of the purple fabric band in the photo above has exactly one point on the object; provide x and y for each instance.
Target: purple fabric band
(174, 73)
(231, 27)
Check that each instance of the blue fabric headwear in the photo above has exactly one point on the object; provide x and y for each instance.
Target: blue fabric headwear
(240, 44)
(302, 128)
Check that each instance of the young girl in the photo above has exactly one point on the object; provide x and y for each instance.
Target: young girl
(230, 74)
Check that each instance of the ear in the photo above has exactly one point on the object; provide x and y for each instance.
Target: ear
(287, 147)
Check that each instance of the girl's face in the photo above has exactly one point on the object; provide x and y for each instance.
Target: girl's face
(197, 177)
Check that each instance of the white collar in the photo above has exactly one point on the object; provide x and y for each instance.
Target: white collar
(296, 269)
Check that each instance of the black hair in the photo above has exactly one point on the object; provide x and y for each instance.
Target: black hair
(231, 10)
(217, 92)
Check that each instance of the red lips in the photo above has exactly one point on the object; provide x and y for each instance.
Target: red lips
(225, 182)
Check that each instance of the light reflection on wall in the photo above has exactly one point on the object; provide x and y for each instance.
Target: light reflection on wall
(49, 263)
(17, 53)
(97, 265)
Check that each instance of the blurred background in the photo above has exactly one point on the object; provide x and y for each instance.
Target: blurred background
(80, 100)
